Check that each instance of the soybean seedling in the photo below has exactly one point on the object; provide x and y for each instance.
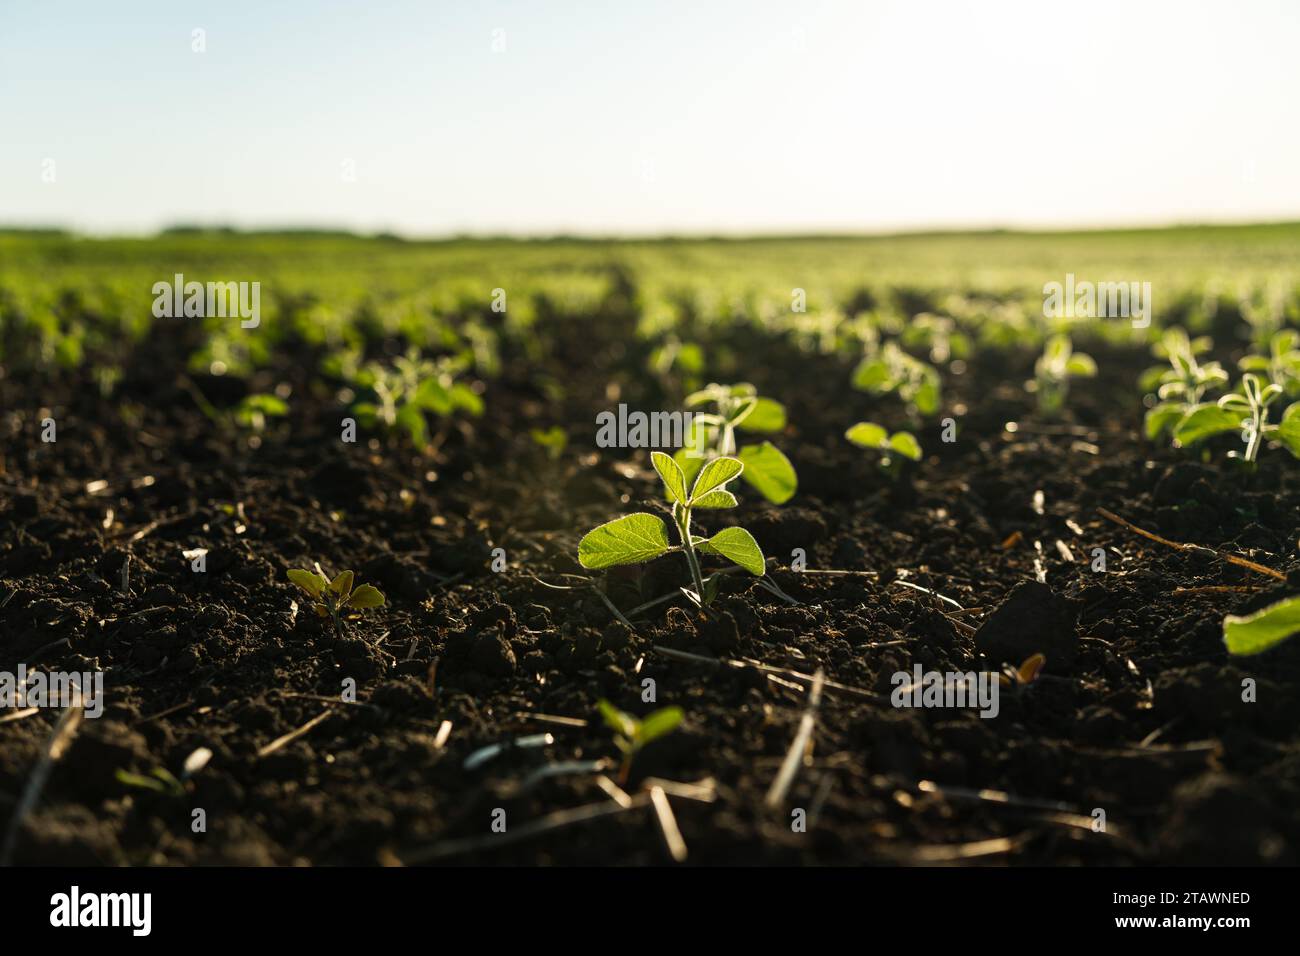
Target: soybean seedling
(641, 537)
(713, 435)
(1019, 678)
(890, 370)
(1055, 367)
(891, 447)
(632, 734)
(331, 598)
(1282, 364)
(1182, 383)
(411, 387)
(1246, 409)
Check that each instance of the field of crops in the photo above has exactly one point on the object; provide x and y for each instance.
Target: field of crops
(370, 577)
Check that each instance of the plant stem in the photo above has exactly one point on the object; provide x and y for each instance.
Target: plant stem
(684, 529)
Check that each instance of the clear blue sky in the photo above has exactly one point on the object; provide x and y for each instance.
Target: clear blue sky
(674, 115)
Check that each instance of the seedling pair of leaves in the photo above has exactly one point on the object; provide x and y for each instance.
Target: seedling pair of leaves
(1247, 411)
(1055, 367)
(409, 389)
(1281, 365)
(641, 537)
(889, 370)
(1181, 384)
(254, 410)
(332, 598)
(632, 734)
(893, 448)
(713, 435)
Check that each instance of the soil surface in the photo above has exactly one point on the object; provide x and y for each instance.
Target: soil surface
(1138, 715)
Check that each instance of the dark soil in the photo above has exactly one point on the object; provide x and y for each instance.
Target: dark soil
(1139, 712)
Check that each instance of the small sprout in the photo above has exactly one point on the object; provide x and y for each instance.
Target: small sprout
(631, 734)
(888, 370)
(870, 435)
(332, 598)
(641, 537)
(1245, 411)
(1024, 675)
(1055, 367)
(158, 780)
(411, 388)
(1263, 630)
(713, 435)
(553, 439)
(1282, 364)
(254, 410)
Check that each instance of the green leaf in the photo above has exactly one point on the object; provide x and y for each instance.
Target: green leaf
(717, 499)
(1288, 431)
(867, 435)
(625, 725)
(411, 420)
(689, 464)
(1205, 421)
(631, 539)
(872, 375)
(366, 596)
(1163, 417)
(1266, 628)
(767, 416)
(926, 398)
(342, 584)
(770, 472)
(738, 546)
(309, 581)
(673, 479)
(657, 724)
(466, 399)
(905, 444)
(715, 474)
(1081, 365)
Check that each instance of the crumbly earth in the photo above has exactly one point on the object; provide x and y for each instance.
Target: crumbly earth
(1139, 713)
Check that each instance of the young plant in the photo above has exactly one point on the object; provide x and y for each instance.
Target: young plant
(331, 598)
(631, 734)
(553, 439)
(254, 410)
(411, 387)
(889, 370)
(1246, 409)
(870, 435)
(713, 435)
(1055, 367)
(641, 537)
(1181, 384)
(1282, 364)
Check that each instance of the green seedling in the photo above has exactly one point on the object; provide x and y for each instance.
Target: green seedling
(632, 734)
(1182, 383)
(713, 435)
(1282, 363)
(162, 780)
(889, 370)
(641, 537)
(1263, 630)
(1055, 367)
(1246, 410)
(411, 387)
(892, 447)
(254, 410)
(331, 598)
(553, 440)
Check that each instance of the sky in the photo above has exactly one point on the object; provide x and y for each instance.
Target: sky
(708, 116)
